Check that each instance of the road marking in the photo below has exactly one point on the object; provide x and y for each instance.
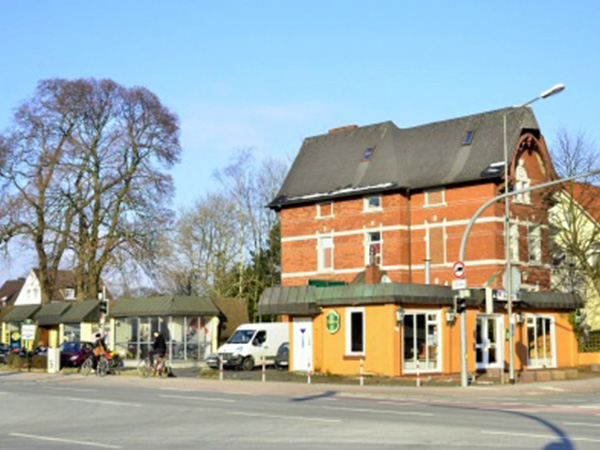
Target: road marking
(68, 389)
(204, 399)
(540, 436)
(582, 424)
(277, 416)
(67, 441)
(379, 411)
(176, 389)
(101, 402)
(400, 403)
(552, 388)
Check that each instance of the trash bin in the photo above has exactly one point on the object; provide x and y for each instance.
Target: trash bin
(53, 356)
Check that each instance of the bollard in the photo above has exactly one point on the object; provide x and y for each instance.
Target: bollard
(418, 374)
(308, 374)
(220, 369)
(361, 378)
(264, 371)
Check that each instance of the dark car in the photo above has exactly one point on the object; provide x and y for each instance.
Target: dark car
(282, 359)
(73, 354)
(4, 351)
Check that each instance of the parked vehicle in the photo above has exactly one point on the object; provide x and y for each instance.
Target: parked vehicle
(73, 354)
(250, 345)
(282, 359)
(4, 352)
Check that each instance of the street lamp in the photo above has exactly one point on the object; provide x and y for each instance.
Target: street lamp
(557, 88)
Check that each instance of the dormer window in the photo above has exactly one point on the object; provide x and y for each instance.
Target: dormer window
(372, 203)
(69, 294)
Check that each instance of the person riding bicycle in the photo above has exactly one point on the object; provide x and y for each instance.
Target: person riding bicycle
(99, 349)
(159, 348)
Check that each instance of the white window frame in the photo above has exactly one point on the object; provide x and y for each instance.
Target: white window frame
(553, 364)
(321, 216)
(348, 333)
(320, 256)
(439, 359)
(367, 243)
(69, 291)
(367, 208)
(499, 342)
(433, 205)
(534, 244)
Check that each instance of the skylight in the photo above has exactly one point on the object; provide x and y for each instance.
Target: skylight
(468, 138)
(368, 154)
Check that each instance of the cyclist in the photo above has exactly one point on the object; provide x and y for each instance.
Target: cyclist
(99, 350)
(159, 348)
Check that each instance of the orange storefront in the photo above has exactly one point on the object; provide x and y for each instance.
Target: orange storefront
(398, 329)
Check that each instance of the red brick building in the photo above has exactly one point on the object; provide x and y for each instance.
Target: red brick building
(405, 197)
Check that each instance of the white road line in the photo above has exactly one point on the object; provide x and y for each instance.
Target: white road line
(583, 424)
(539, 436)
(204, 399)
(55, 388)
(176, 389)
(101, 402)
(379, 411)
(552, 388)
(278, 416)
(67, 441)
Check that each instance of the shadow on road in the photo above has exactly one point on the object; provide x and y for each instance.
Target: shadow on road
(315, 397)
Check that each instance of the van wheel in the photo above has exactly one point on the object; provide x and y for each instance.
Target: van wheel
(248, 363)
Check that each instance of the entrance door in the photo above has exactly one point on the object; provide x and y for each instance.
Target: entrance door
(541, 346)
(302, 344)
(488, 340)
(421, 342)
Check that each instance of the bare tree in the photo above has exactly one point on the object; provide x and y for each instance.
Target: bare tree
(575, 220)
(88, 160)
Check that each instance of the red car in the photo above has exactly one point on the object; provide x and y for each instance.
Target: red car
(73, 354)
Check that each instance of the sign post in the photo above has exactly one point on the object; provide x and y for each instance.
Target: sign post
(460, 284)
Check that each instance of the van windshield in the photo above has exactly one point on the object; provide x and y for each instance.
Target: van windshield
(241, 337)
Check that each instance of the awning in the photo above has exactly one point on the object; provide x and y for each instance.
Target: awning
(288, 300)
(164, 306)
(51, 314)
(86, 311)
(21, 313)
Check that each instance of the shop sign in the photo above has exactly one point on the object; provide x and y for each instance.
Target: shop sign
(333, 321)
(28, 332)
(15, 341)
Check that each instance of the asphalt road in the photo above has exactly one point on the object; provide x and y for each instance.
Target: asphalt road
(130, 413)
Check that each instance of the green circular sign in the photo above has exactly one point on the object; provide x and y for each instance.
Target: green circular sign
(333, 321)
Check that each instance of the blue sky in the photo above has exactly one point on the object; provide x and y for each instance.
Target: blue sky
(266, 74)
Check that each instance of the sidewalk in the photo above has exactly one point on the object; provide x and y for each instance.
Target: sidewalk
(529, 390)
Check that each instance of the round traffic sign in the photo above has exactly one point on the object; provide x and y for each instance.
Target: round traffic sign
(459, 269)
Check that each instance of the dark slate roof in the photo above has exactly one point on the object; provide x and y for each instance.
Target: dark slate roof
(331, 165)
(21, 313)
(51, 314)
(10, 291)
(164, 306)
(86, 311)
(552, 300)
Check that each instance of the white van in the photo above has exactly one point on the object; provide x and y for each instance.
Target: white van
(251, 344)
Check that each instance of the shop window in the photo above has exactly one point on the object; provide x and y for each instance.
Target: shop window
(355, 331)
(421, 341)
(374, 248)
(325, 254)
(72, 332)
(324, 210)
(540, 341)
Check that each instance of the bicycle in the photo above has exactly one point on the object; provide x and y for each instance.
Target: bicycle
(107, 363)
(161, 367)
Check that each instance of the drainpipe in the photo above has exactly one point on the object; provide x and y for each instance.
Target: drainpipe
(427, 271)
(408, 208)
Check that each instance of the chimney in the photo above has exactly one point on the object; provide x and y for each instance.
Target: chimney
(340, 129)
(372, 274)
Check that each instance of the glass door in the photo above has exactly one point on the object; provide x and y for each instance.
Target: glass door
(540, 341)
(488, 342)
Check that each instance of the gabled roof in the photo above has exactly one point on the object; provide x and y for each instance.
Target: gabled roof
(587, 196)
(86, 311)
(51, 314)
(10, 290)
(334, 165)
(20, 313)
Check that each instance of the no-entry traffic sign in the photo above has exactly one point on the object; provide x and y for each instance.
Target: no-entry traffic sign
(459, 270)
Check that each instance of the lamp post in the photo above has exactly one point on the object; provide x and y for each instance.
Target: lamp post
(511, 353)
